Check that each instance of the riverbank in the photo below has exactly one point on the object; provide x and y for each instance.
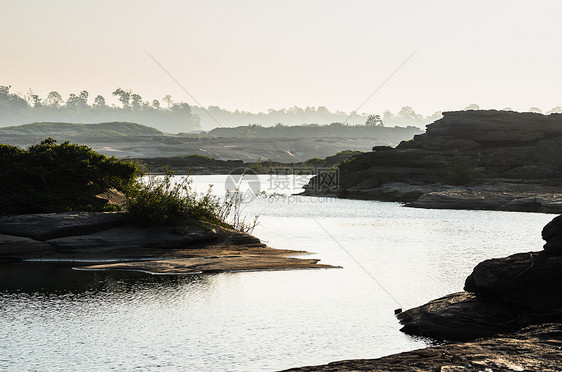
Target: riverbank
(489, 160)
(535, 348)
(509, 317)
(105, 241)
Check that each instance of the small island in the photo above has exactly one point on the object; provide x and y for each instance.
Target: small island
(67, 203)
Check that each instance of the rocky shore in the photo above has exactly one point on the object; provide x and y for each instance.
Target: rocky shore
(536, 348)
(501, 295)
(492, 160)
(508, 318)
(105, 241)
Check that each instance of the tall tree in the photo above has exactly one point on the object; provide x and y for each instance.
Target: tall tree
(54, 99)
(136, 101)
(124, 97)
(99, 101)
(374, 121)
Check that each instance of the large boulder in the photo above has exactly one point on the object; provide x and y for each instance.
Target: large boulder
(460, 316)
(528, 280)
(501, 294)
(552, 233)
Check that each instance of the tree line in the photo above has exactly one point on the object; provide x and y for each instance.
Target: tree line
(168, 116)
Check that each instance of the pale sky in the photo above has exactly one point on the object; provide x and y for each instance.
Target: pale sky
(258, 54)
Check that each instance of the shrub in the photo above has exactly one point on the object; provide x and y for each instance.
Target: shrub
(459, 170)
(156, 201)
(51, 177)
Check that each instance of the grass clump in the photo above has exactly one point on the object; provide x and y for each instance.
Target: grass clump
(165, 200)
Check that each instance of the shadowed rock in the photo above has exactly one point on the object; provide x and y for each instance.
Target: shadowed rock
(190, 246)
(502, 294)
(497, 159)
(535, 348)
(55, 225)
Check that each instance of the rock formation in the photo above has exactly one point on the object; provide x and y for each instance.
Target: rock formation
(494, 160)
(535, 348)
(501, 295)
(105, 241)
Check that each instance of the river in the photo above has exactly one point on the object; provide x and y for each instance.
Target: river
(392, 257)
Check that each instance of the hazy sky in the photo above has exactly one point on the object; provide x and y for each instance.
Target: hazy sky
(258, 54)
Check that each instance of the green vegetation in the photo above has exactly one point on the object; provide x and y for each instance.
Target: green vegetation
(51, 177)
(199, 157)
(161, 201)
(459, 170)
(349, 152)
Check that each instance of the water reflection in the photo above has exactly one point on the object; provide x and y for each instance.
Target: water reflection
(51, 277)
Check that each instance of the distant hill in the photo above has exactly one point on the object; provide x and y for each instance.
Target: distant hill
(112, 129)
(249, 143)
(334, 130)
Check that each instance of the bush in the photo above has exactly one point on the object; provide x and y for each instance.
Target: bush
(459, 170)
(51, 177)
(161, 201)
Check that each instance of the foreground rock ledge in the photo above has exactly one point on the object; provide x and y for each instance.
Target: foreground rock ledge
(104, 241)
(535, 348)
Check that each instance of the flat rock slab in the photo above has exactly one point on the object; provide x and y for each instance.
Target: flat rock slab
(536, 348)
(129, 237)
(212, 264)
(55, 225)
(490, 200)
(17, 247)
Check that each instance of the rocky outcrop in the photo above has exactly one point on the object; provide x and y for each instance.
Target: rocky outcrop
(535, 348)
(107, 242)
(501, 295)
(512, 156)
(509, 318)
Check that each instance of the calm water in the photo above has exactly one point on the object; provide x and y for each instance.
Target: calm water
(52, 318)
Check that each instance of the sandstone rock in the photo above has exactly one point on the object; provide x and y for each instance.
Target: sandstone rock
(461, 199)
(56, 225)
(531, 204)
(531, 281)
(17, 247)
(535, 348)
(533, 171)
(460, 316)
(549, 151)
(382, 148)
(460, 144)
(496, 126)
(507, 148)
(552, 233)
(126, 238)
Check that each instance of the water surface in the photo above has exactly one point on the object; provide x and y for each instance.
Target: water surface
(53, 318)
